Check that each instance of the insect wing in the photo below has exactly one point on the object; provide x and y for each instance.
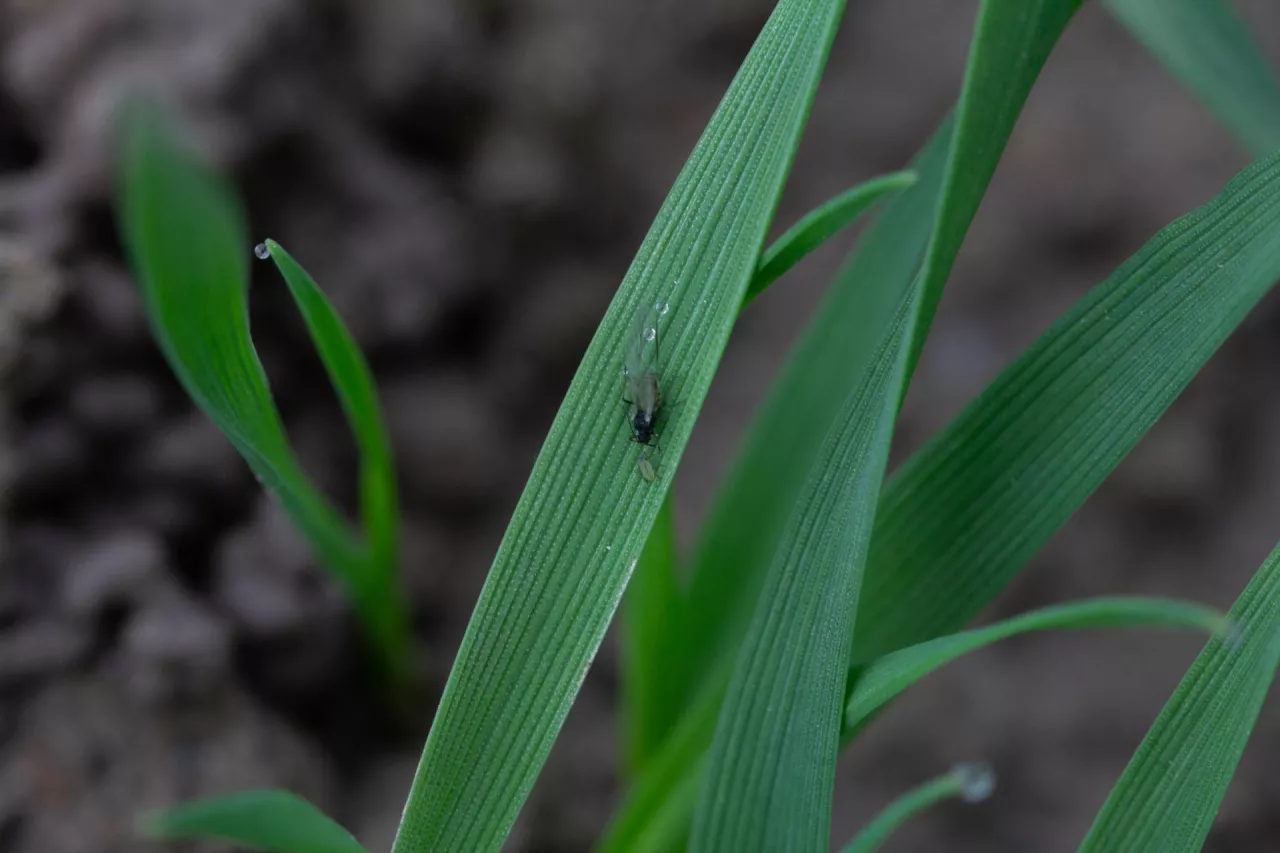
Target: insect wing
(641, 365)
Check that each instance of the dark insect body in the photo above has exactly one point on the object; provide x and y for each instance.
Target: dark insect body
(644, 416)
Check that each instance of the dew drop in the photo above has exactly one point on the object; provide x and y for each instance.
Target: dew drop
(650, 333)
(608, 547)
(976, 780)
(263, 251)
(661, 307)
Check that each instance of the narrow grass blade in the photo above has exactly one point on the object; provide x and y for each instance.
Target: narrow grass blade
(746, 522)
(1206, 45)
(184, 232)
(659, 806)
(972, 783)
(649, 613)
(1012, 40)
(820, 224)
(1169, 794)
(967, 511)
(271, 821)
(771, 766)
(883, 679)
(376, 586)
(927, 220)
(586, 511)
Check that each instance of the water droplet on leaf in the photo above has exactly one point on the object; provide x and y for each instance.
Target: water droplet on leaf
(263, 251)
(977, 781)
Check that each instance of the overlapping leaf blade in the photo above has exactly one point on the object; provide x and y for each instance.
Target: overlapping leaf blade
(649, 608)
(1193, 282)
(771, 766)
(648, 697)
(375, 587)
(1209, 48)
(747, 519)
(772, 763)
(1011, 42)
(965, 513)
(1169, 794)
(658, 809)
(582, 520)
(184, 231)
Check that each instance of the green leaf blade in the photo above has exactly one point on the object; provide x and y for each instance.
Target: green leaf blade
(185, 235)
(820, 224)
(885, 678)
(582, 521)
(268, 820)
(1169, 794)
(1209, 48)
(376, 587)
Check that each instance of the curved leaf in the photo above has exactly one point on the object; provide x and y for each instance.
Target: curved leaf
(375, 586)
(185, 235)
(819, 225)
(884, 678)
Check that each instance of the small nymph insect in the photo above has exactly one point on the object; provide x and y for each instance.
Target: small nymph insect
(645, 466)
(643, 386)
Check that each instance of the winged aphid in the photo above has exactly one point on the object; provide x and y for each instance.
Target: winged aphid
(644, 385)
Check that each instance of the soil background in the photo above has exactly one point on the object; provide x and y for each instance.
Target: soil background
(469, 181)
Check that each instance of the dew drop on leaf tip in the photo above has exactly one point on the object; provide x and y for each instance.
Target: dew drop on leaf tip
(976, 780)
(262, 251)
